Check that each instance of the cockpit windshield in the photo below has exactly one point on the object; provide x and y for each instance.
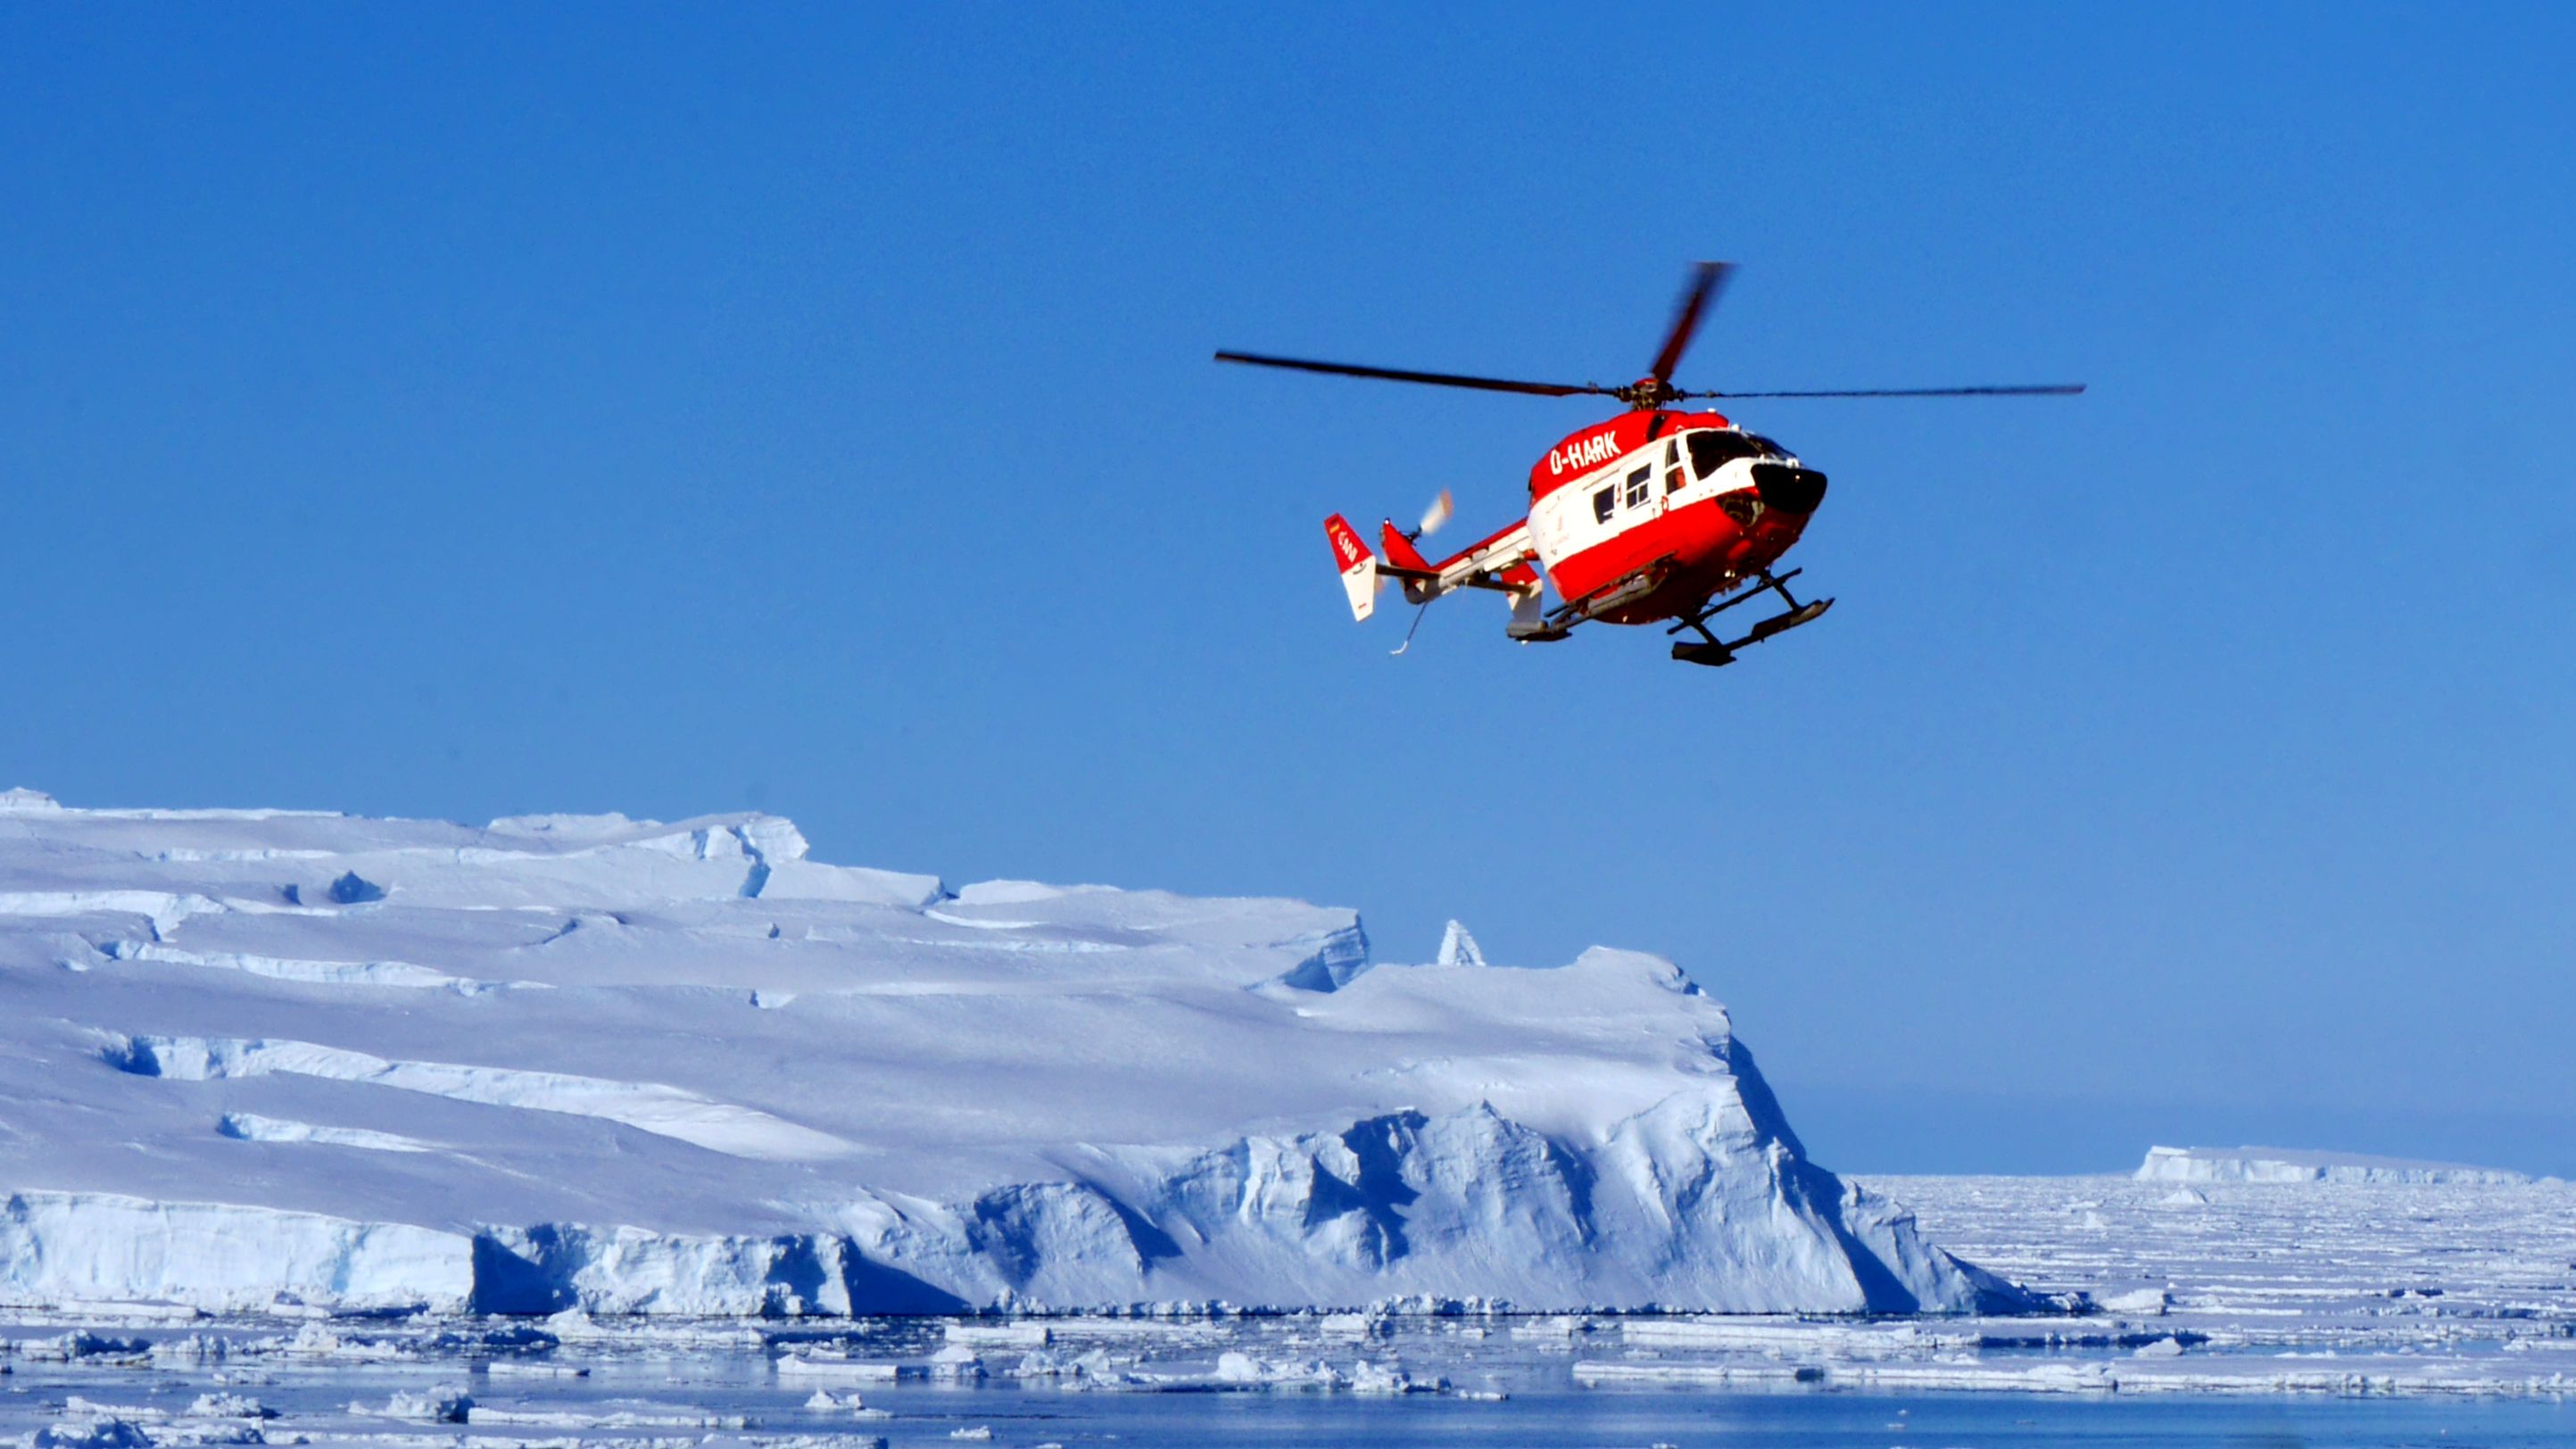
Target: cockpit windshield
(1717, 447)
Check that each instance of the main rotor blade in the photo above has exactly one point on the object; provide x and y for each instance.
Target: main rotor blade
(1439, 379)
(1707, 280)
(2039, 389)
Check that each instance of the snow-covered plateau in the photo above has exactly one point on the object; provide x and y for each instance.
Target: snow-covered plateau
(2276, 1164)
(262, 1059)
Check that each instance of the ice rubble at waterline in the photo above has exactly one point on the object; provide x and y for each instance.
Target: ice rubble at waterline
(628, 1067)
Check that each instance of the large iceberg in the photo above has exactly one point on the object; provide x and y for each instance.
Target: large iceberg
(587, 1062)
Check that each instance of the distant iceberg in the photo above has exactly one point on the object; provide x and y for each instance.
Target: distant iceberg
(564, 1062)
(2274, 1164)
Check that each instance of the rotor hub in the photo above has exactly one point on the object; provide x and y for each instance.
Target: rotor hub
(1647, 394)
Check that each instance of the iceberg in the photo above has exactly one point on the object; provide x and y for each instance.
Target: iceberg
(594, 1064)
(2275, 1164)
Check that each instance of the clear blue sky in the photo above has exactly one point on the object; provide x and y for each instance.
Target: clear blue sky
(456, 411)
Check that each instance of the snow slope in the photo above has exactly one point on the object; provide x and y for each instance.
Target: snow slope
(634, 1067)
(2276, 1164)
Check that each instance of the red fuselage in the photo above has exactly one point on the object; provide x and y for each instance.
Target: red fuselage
(1661, 511)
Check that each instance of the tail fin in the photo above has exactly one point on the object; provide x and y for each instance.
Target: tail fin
(1358, 565)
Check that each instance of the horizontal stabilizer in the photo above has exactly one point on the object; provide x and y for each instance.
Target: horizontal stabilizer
(1400, 550)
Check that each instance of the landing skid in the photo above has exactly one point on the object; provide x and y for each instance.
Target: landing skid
(1712, 651)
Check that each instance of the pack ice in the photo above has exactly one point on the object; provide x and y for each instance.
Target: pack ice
(587, 1062)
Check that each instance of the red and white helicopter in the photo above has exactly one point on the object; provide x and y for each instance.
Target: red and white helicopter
(1652, 516)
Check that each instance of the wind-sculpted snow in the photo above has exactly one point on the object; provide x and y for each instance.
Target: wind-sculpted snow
(664, 1111)
(251, 1127)
(587, 1062)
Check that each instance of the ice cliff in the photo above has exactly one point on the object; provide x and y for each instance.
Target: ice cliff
(552, 1062)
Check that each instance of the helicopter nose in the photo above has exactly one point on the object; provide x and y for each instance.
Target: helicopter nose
(1791, 490)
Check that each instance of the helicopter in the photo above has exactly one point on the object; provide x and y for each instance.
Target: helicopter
(1656, 516)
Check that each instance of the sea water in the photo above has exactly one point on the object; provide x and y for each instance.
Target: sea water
(487, 1384)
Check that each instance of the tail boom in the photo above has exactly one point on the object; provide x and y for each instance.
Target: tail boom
(1499, 561)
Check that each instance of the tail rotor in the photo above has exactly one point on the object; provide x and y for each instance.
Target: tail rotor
(1434, 516)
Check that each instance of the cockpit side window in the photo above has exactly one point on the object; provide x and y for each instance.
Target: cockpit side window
(1637, 482)
(1716, 447)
